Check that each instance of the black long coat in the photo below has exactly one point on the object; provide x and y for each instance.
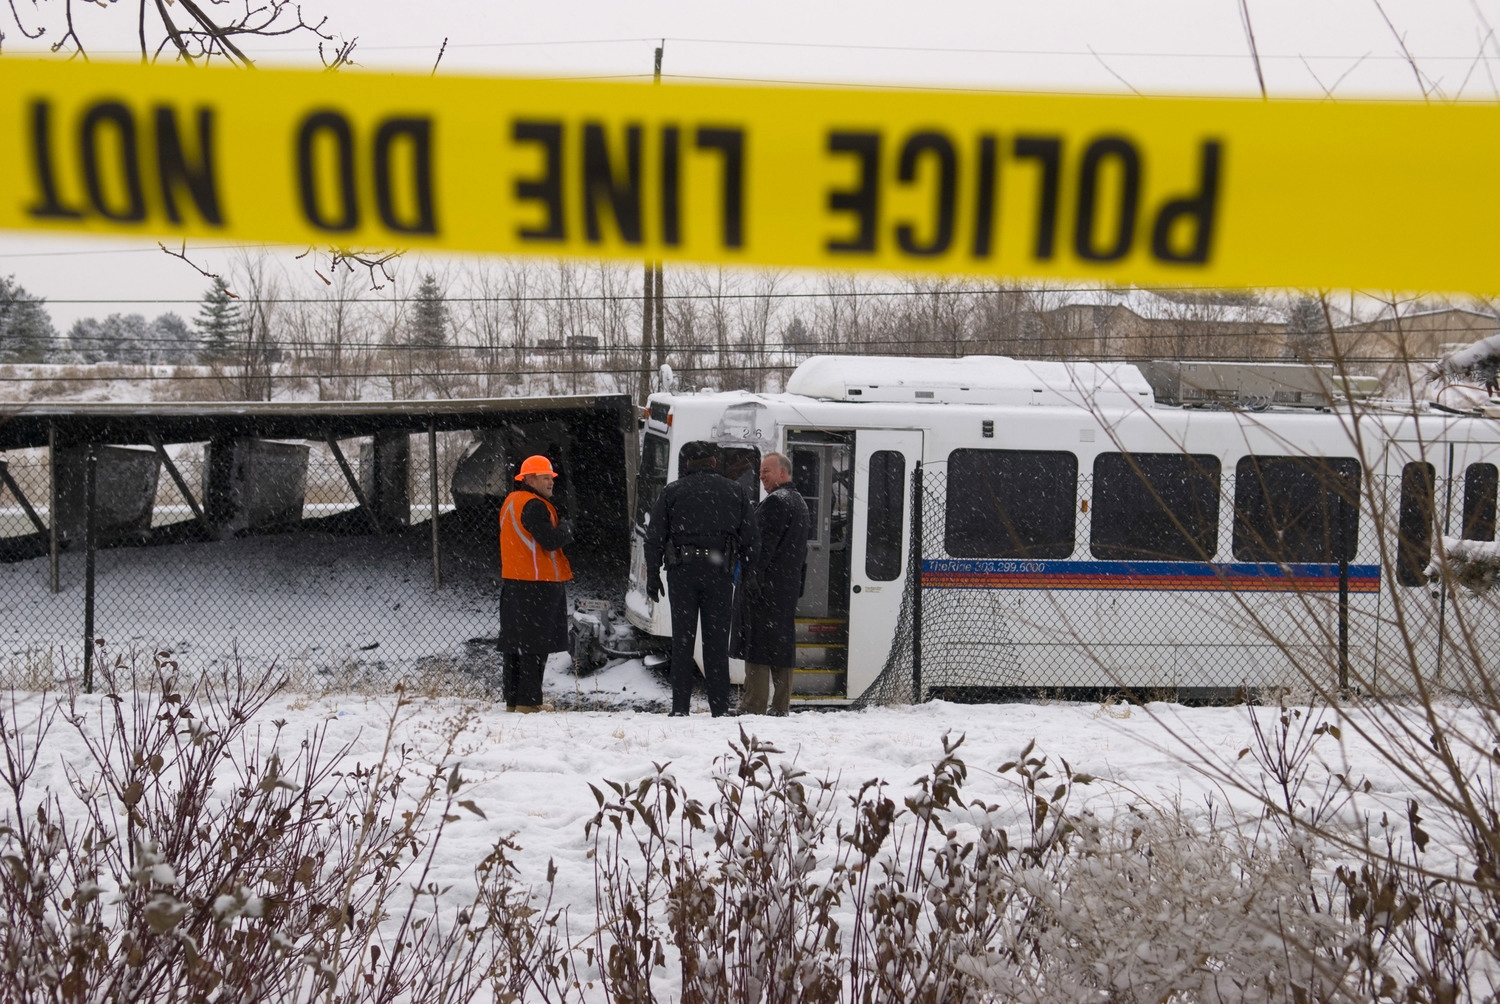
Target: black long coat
(766, 600)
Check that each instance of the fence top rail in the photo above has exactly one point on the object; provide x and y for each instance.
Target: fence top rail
(27, 426)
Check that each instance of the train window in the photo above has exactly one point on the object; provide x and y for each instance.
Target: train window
(1481, 482)
(652, 477)
(840, 491)
(1414, 524)
(887, 515)
(1010, 504)
(1287, 509)
(1155, 507)
(808, 480)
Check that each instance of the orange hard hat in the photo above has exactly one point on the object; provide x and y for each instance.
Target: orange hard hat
(536, 464)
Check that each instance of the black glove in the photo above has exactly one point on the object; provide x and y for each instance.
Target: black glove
(654, 586)
(752, 586)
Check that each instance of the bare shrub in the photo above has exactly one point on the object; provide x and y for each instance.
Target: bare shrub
(198, 855)
(200, 858)
(932, 900)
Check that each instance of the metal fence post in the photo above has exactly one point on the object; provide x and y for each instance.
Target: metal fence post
(432, 486)
(916, 586)
(90, 527)
(1343, 591)
(1443, 582)
(52, 502)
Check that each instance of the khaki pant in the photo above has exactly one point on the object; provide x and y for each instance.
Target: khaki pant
(759, 679)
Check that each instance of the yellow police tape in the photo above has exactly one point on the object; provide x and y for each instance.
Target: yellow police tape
(1144, 190)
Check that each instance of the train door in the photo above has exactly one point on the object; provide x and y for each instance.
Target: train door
(823, 471)
(879, 543)
(1428, 482)
(1468, 513)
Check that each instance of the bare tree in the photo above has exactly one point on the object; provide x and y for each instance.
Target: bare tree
(566, 320)
(684, 321)
(391, 312)
(934, 315)
(191, 31)
(520, 280)
(757, 314)
(259, 348)
(846, 314)
(346, 328)
(717, 286)
(482, 320)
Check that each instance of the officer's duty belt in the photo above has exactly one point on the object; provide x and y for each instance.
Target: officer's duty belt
(684, 553)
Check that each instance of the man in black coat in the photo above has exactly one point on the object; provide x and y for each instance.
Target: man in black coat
(700, 527)
(770, 586)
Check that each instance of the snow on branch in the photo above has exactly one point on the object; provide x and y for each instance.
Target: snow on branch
(1473, 564)
(1480, 361)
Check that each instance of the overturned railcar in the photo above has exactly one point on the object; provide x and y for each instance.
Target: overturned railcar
(242, 467)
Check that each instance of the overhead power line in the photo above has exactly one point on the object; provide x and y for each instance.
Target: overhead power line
(611, 297)
(1083, 53)
(281, 376)
(152, 249)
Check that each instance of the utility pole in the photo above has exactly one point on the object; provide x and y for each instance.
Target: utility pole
(652, 305)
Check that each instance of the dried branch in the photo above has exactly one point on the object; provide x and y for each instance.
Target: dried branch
(182, 254)
(15, 15)
(343, 55)
(196, 31)
(1254, 50)
(1112, 73)
(71, 33)
(1410, 59)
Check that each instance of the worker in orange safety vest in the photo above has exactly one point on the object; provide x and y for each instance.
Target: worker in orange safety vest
(533, 571)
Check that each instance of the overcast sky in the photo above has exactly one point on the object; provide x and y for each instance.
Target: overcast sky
(1308, 49)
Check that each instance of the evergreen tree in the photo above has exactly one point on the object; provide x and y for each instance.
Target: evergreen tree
(85, 342)
(119, 338)
(219, 322)
(796, 335)
(169, 340)
(129, 334)
(428, 327)
(1306, 331)
(26, 332)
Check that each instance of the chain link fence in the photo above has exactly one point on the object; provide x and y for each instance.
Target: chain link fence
(333, 589)
(1219, 625)
(336, 590)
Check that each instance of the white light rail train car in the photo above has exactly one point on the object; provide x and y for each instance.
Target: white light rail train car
(1078, 534)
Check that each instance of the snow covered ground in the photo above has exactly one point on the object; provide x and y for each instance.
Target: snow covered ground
(530, 775)
(315, 603)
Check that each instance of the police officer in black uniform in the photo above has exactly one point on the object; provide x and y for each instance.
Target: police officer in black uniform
(701, 526)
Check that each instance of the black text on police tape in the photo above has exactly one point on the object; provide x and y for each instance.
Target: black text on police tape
(1191, 216)
(613, 181)
(338, 211)
(113, 168)
(123, 162)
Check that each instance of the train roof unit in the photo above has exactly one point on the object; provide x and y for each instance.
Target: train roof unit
(990, 380)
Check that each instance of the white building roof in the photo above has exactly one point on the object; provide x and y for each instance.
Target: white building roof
(1153, 305)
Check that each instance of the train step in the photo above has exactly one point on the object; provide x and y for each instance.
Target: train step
(817, 682)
